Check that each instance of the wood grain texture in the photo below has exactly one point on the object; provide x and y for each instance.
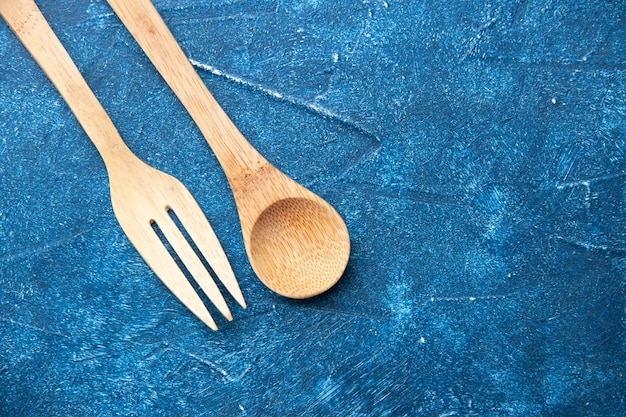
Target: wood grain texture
(141, 195)
(297, 243)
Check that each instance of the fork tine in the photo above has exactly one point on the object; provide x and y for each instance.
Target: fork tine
(197, 225)
(193, 264)
(152, 250)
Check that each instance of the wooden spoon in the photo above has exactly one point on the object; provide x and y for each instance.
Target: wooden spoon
(297, 243)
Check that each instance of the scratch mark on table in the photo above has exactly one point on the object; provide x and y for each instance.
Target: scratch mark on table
(587, 181)
(42, 248)
(336, 387)
(364, 32)
(88, 358)
(336, 329)
(311, 106)
(421, 197)
(355, 314)
(329, 393)
(258, 315)
(470, 298)
(212, 365)
(474, 40)
(591, 246)
(30, 326)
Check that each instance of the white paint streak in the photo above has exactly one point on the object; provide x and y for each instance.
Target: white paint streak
(46, 247)
(212, 365)
(469, 298)
(590, 246)
(30, 326)
(271, 92)
(586, 182)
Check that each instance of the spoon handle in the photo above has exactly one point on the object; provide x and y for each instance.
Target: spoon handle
(144, 22)
(29, 25)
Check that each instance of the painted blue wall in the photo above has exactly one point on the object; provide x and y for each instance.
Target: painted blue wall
(477, 151)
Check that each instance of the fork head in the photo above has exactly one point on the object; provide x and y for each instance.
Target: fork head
(143, 197)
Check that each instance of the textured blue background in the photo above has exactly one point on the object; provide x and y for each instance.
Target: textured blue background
(477, 151)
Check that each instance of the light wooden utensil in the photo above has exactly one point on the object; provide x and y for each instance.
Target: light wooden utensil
(297, 243)
(141, 195)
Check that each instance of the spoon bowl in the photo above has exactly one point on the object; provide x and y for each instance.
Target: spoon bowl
(299, 247)
(297, 243)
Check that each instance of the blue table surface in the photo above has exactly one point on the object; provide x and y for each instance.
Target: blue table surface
(476, 149)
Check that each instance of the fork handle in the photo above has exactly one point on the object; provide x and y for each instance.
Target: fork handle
(32, 29)
(235, 153)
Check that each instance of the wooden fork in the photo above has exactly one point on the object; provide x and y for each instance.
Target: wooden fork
(141, 195)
